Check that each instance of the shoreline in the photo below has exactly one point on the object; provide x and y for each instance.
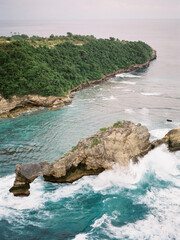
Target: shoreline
(11, 108)
(111, 75)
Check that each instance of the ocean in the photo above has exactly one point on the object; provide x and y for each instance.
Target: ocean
(139, 202)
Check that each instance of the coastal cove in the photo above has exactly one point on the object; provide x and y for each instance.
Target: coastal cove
(17, 105)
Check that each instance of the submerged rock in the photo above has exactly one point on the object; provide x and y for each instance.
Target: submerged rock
(117, 144)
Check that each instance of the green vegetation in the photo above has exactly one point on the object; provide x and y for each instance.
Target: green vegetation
(74, 148)
(117, 124)
(67, 154)
(55, 65)
(85, 146)
(95, 142)
(103, 129)
(139, 124)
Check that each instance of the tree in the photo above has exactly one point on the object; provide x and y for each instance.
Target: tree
(51, 36)
(69, 34)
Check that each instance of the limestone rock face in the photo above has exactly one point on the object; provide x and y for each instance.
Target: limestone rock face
(92, 155)
(12, 107)
(172, 139)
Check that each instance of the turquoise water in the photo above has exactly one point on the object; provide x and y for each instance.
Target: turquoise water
(141, 202)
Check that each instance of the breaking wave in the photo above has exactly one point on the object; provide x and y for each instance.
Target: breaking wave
(127, 75)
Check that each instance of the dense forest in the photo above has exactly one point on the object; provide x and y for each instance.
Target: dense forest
(54, 65)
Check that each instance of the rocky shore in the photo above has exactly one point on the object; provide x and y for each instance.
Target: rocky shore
(16, 105)
(118, 144)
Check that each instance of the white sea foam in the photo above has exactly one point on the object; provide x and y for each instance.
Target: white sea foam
(7, 200)
(159, 133)
(100, 221)
(81, 236)
(109, 98)
(127, 75)
(119, 176)
(117, 87)
(127, 90)
(128, 82)
(154, 227)
(159, 161)
(12, 208)
(163, 221)
(129, 110)
(150, 94)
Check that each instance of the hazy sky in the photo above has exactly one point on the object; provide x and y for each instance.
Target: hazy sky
(88, 9)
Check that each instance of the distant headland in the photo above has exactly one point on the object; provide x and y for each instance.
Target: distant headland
(41, 72)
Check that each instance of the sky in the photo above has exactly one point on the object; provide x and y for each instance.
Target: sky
(88, 9)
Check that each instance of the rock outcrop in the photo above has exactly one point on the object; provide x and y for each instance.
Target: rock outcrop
(172, 139)
(25, 174)
(14, 106)
(117, 144)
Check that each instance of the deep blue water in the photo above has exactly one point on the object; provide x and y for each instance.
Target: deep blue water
(141, 202)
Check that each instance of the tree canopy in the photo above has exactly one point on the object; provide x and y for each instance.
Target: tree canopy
(43, 70)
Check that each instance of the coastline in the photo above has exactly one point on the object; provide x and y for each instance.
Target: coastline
(10, 108)
(110, 75)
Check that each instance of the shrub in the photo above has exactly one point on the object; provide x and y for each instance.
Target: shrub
(95, 142)
(103, 129)
(74, 148)
(117, 124)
